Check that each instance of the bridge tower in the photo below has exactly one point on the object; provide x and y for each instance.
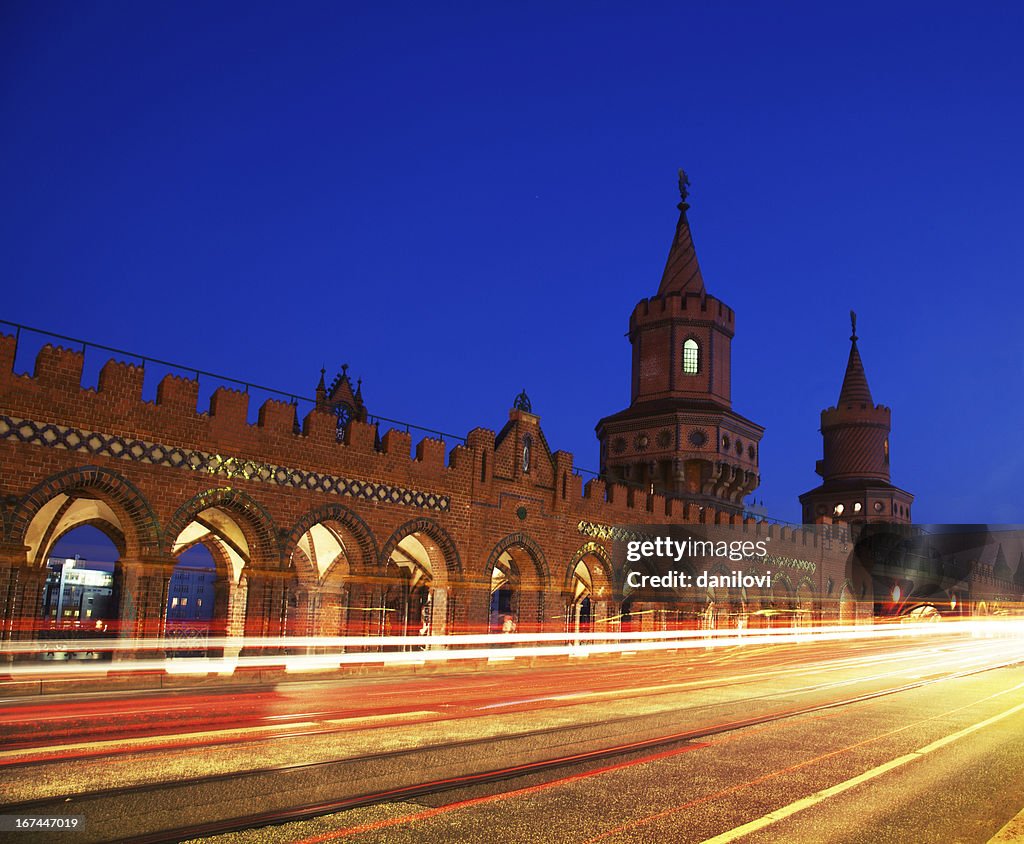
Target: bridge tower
(856, 486)
(680, 436)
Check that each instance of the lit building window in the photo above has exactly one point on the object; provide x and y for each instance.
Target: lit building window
(691, 357)
(839, 509)
(174, 602)
(856, 507)
(184, 602)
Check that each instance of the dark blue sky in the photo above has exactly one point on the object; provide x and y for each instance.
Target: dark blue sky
(461, 200)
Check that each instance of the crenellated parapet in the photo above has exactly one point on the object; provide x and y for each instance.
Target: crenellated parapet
(695, 308)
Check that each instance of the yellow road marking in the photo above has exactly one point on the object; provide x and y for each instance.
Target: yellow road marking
(825, 794)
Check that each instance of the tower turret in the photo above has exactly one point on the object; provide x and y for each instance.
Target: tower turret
(856, 484)
(680, 435)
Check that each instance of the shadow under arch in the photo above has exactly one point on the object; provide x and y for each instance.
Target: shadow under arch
(355, 526)
(257, 524)
(587, 589)
(412, 593)
(253, 593)
(519, 581)
(334, 555)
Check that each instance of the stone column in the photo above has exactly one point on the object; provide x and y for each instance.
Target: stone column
(143, 586)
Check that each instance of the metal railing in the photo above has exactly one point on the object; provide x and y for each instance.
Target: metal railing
(294, 398)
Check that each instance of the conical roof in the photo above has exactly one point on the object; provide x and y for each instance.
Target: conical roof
(682, 272)
(855, 383)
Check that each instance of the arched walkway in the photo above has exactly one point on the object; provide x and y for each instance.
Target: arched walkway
(518, 582)
(419, 562)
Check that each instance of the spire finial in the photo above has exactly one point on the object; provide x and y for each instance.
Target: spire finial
(344, 370)
(684, 189)
(853, 326)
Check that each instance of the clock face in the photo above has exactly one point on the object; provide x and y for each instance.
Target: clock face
(641, 442)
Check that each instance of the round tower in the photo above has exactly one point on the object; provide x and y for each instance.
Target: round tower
(856, 486)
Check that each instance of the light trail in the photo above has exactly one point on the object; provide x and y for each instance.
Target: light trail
(439, 649)
(111, 714)
(37, 753)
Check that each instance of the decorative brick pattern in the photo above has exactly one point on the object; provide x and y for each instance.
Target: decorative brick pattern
(139, 451)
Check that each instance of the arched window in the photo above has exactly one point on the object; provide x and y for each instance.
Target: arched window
(691, 357)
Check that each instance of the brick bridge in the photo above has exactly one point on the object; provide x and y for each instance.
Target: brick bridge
(327, 529)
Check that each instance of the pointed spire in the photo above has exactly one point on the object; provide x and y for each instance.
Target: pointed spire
(682, 272)
(1001, 568)
(321, 391)
(855, 383)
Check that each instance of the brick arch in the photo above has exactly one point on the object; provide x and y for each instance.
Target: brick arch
(783, 589)
(141, 526)
(589, 549)
(521, 540)
(452, 561)
(6, 518)
(365, 539)
(259, 522)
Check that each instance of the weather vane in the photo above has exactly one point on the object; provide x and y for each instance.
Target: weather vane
(684, 184)
(853, 324)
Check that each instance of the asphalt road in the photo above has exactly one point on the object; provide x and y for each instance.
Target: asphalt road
(872, 741)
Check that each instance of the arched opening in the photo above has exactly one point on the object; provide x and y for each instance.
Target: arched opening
(518, 579)
(782, 611)
(211, 553)
(924, 612)
(319, 606)
(847, 606)
(580, 615)
(192, 600)
(251, 587)
(415, 600)
(108, 502)
(588, 591)
(804, 616)
(80, 598)
(503, 612)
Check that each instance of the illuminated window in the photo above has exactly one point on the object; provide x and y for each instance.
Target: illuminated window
(174, 602)
(691, 357)
(184, 602)
(839, 509)
(199, 602)
(856, 507)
